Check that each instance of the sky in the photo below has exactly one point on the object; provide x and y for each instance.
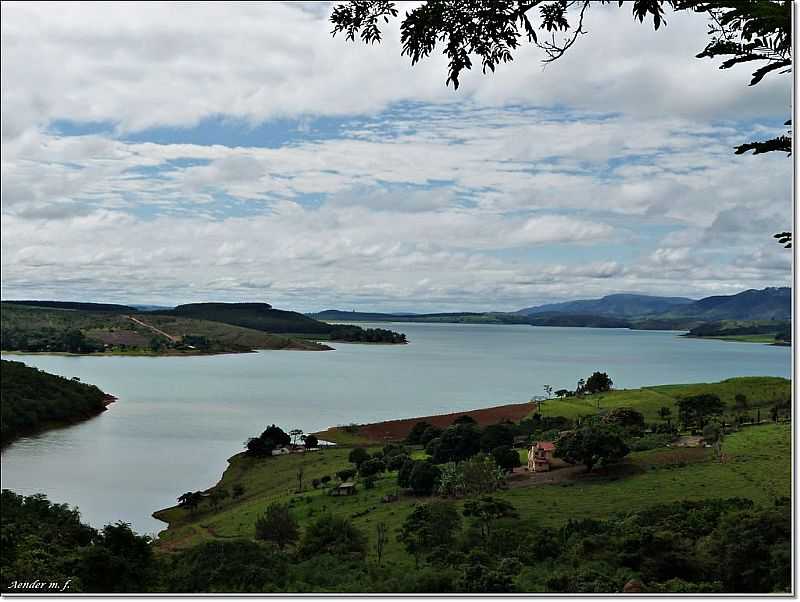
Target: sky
(174, 153)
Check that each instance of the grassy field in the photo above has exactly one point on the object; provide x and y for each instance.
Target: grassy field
(756, 465)
(761, 391)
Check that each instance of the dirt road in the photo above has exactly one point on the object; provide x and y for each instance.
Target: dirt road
(154, 329)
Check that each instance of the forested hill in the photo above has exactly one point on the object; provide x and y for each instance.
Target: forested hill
(75, 305)
(32, 400)
(263, 317)
(258, 316)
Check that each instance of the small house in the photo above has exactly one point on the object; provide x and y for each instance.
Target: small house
(539, 456)
(280, 451)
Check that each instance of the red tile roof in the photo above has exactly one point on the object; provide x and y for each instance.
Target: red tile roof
(546, 445)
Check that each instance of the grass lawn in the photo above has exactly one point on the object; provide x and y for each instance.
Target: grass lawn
(757, 465)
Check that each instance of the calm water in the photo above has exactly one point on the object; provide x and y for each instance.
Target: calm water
(178, 419)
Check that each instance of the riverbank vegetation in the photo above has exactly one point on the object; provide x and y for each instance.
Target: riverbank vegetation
(32, 400)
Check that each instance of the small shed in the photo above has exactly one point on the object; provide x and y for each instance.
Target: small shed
(348, 488)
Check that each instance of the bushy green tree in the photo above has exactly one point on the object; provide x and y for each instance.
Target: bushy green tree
(506, 457)
(591, 444)
(495, 435)
(428, 527)
(423, 478)
(357, 456)
(333, 535)
(277, 525)
(458, 442)
(695, 410)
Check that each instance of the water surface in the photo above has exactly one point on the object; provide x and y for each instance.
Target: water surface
(179, 418)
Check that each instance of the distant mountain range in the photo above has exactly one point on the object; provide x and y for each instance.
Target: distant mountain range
(621, 305)
(644, 312)
(765, 304)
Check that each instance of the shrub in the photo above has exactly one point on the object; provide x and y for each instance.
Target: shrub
(277, 525)
(358, 456)
(424, 477)
(346, 474)
(333, 535)
(506, 457)
(371, 467)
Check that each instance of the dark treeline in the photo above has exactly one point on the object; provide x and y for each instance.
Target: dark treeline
(31, 400)
(699, 547)
(726, 329)
(48, 339)
(75, 305)
(356, 334)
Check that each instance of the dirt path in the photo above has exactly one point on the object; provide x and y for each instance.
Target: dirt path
(154, 329)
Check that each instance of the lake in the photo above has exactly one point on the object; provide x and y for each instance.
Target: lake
(178, 419)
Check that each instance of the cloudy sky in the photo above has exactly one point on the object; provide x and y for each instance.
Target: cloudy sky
(162, 153)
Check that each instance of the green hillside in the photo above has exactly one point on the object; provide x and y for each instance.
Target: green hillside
(37, 329)
(760, 392)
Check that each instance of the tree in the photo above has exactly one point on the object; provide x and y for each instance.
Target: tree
(488, 509)
(590, 444)
(431, 433)
(333, 535)
(548, 391)
(381, 539)
(277, 525)
(458, 442)
(311, 442)
(404, 474)
(415, 435)
(696, 409)
(295, 435)
(580, 387)
(300, 472)
(346, 474)
(190, 500)
(598, 382)
(277, 435)
(625, 418)
(562, 393)
(713, 434)
(371, 467)
(492, 30)
(429, 526)
(664, 413)
(481, 474)
(506, 457)
(465, 419)
(496, 435)
(424, 477)
(740, 402)
(396, 462)
(258, 447)
(358, 456)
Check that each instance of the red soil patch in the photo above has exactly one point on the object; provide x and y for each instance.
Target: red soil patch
(394, 430)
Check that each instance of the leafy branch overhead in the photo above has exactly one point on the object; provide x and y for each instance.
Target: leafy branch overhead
(740, 31)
